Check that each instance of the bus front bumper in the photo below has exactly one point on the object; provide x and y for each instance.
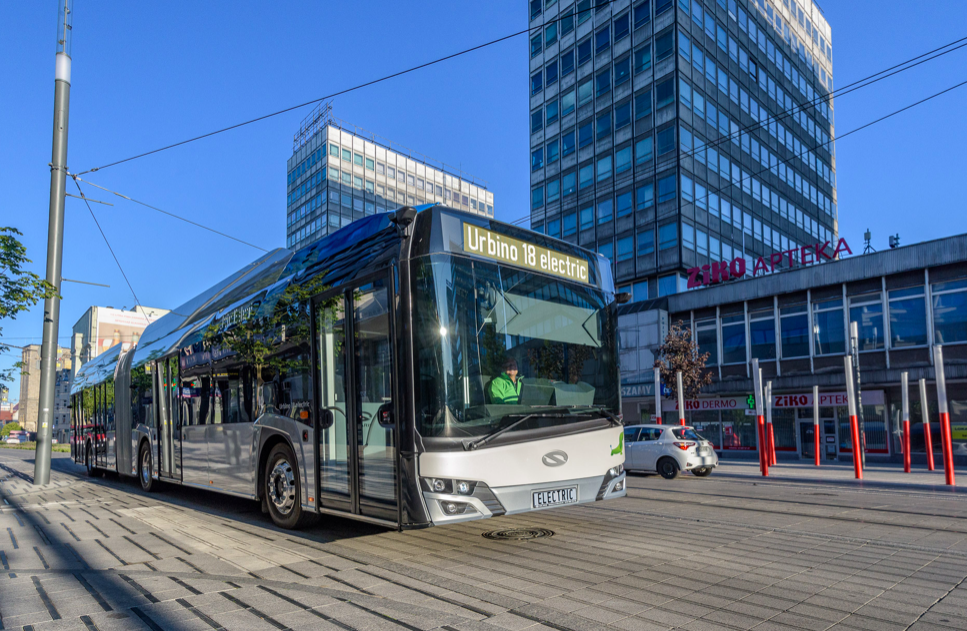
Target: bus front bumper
(510, 500)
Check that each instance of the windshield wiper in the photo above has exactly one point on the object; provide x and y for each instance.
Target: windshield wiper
(489, 437)
(614, 420)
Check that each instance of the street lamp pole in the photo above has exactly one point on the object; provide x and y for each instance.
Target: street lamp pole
(55, 243)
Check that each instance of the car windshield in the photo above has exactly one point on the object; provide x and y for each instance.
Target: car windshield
(686, 433)
(495, 343)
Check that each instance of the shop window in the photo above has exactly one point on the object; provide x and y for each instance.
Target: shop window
(733, 339)
(908, 318)
(762, 334)
(950, 312)
(829, 335)
(738, 430)
(867, 312)
(794, 331)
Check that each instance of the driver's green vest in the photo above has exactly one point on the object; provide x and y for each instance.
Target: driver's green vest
(503, 390)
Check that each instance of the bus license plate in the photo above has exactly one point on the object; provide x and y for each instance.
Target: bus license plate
(556, 497)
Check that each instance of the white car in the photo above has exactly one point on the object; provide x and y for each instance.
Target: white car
(668, 449)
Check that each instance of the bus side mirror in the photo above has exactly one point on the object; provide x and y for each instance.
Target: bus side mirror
(622, 297)
(326, 419)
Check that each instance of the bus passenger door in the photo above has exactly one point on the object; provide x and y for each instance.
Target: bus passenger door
(374, 412)
(332, 404)
(169, 436)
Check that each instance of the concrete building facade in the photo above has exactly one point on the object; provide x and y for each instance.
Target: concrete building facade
(30, 383)
(339, 173)
(667, 134)
(100, 328)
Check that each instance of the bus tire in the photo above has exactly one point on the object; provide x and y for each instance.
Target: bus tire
(281, 488)
(92, 471)
(145, 469)
(668, 468)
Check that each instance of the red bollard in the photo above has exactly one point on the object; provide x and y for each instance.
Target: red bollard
(760, 419)
(853, 422)
(681, 399)
(770, 434)
(816, 440)
(905, 411)
(657, 396)
(945, 435)
(925, 415)
(906, 446)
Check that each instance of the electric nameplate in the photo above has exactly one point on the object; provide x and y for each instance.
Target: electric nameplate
(498, 247)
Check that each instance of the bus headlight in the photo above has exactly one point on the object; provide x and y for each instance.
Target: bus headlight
(437, 485)
(448, 486)
(457, 508)
(464, 487)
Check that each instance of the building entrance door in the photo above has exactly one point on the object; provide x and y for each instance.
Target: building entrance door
(829, 440)
(807, 445)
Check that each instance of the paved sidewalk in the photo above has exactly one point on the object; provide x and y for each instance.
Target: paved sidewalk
(692, 553)
(874, 475)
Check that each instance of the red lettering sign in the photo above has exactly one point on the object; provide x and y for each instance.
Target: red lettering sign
(723, 271)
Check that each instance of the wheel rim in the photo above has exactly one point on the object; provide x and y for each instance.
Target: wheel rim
(145, 468)
(281, 487)
(667, 467)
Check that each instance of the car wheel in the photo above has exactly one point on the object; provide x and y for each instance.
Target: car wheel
(668, 468)
(281, 488)
(702, 472)
(145, 470)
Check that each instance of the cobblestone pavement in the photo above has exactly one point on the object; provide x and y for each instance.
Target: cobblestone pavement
(691, 553)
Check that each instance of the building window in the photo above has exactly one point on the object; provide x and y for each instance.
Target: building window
(665, 93)
(950, 312)
(642, 58)
(537, 197)
(604, 125)
(667, 236)
(584, 51)
(908, 318)
(867, 312)
(733, 339)
(605, 210)
(537, 82)
(537, 158)
(552, 112)
(587, 217)
(644, 150)
(642, 105)
(585, 91)
(664, 46)
(537, 120)
(762, 334)
(370, 164)
(334, 150)
(567, 62)
(668, 285)
(667, 188)
(603, 82)
(623, 205)
(622, 161)
(586, 134)
(586, 177)
(622, 70)
(794, 331)
(536, 8)
(553, 151)
(662, 5)
(645, 196)
(553, 190)
(646, 242)
(570, 224)
(568, 183)
(567, 21)
(688, 236)
(357, 159)
(604, 168)
(567, 102)
(642, 13)
(602, 40)
(567, 143)
(347, 155)
(552, 73)
(606, 250)
(550, 34)
(666, 140)
(829, 337)
(626, 248)
(554, 228)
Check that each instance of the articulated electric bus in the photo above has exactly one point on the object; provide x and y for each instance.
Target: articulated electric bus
(372, 375)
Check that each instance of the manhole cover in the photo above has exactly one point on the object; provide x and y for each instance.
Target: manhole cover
(519, 534)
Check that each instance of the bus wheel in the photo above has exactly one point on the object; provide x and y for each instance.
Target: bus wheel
(144, 469)
(282, 491)
(92, 471)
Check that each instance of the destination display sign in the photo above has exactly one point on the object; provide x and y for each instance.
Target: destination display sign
(499, 247)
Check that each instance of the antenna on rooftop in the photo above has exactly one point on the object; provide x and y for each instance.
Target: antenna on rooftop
(866, 239)
(894, 241)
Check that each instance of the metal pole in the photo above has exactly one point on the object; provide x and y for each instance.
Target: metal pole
(948, 454)
(759, 419)
(853, 424)
(925, 417)
(658, 396)
(905, 437)
(55, 243)
(770, 436)
(855, 344)
(681, 398)
(816, 441)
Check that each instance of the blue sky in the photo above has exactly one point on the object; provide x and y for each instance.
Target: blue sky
(144, 78)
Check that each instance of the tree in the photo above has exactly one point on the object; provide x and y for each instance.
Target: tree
(11, 426)
(19, 289)
(679, 352)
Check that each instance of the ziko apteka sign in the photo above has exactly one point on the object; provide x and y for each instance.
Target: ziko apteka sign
(499, 247)
(713, 273)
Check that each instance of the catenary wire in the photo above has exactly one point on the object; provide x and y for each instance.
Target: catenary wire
(711, 192)
(345, 91)
(846, 89)
(101, 230)
(77, 178)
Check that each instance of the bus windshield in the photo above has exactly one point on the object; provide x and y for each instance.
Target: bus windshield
(476, 322)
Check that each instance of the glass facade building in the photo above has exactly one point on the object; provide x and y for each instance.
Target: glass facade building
(670, 134)
(339, 173)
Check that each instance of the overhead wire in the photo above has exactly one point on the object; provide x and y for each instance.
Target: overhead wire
(347, 90)
(101, 230)
(77, 178)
